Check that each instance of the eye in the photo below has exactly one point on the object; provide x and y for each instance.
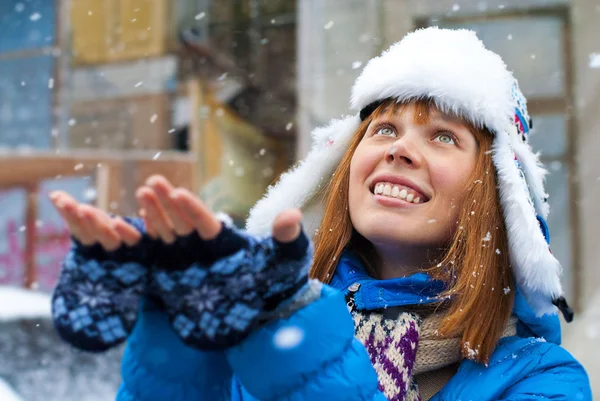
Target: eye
(445, 138)
(385, 131)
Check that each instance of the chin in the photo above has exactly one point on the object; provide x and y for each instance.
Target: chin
(402, 231)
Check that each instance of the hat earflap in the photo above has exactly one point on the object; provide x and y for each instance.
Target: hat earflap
(536, 270)
(298, 187)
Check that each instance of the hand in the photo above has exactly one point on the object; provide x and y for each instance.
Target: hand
(169, 211)
(104, 276)
(221, 283)
(90, 225)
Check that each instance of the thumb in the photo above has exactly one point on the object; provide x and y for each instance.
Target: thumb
(290, 240)
(287, 227)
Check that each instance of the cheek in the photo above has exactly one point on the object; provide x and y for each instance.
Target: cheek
(361, 165)
(449, 179)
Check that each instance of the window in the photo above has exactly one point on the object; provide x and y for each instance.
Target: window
(534, 44)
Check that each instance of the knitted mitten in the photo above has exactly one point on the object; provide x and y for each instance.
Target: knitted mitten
(96, 300)
(217, 292)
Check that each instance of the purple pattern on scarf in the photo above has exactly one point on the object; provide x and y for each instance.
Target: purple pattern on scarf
(404, 346)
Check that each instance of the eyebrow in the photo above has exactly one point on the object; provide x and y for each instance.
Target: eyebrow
(446, 117)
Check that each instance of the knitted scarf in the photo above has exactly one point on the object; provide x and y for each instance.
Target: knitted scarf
(402, 345)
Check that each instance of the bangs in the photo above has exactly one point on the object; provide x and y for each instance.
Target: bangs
(424, 109)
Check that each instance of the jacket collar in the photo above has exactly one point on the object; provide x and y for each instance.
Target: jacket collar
(370, 293)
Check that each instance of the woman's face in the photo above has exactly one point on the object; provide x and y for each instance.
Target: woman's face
(407, 178)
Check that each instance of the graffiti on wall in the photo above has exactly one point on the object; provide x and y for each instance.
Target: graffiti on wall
(53, 239)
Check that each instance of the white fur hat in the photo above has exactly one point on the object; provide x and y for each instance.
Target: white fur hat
(456, 71)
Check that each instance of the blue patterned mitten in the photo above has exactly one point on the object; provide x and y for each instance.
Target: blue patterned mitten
(217, 292)
(96, 300)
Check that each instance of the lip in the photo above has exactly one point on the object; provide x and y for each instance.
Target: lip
(394, 202)
(400, 180)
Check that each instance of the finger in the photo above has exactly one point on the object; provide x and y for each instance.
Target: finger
(286, 227)
(68, 209)
(203, 220)
(156, 214)
(99, 223)
(128, 233)
(163, 189)
(290, 241)
(150, 229)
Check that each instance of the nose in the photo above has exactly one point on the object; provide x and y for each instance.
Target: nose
(405, 151)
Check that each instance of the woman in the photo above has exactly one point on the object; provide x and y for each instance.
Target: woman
(431, 213)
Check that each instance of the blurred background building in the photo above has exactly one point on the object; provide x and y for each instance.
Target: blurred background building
(221, 96)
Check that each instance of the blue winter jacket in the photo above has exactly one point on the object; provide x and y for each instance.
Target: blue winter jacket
(329, 364)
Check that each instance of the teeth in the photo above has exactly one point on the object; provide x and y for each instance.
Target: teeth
(394, 191)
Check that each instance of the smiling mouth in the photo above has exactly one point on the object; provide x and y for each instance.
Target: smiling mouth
(396, 191)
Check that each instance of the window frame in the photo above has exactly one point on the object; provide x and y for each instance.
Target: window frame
(543, 106)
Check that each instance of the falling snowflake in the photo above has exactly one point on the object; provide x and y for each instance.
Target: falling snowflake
(288, 337)
(455, 7)
(329, 25)
(506, 290)
(200, 16)
(153, 118)
(156, 156)
(488, 237)
(594, 60)
(35, 16)
(89, 194)
(356, 64)
(497, 251)
(471, 353)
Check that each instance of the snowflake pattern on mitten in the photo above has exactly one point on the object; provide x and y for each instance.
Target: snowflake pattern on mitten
(96, 300)
(233, 285)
